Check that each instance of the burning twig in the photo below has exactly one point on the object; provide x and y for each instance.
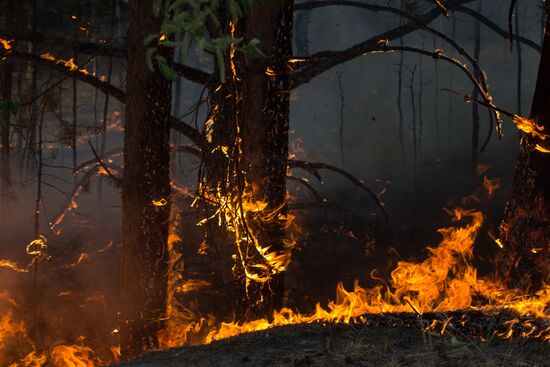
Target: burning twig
(100, 162)
(441, 7)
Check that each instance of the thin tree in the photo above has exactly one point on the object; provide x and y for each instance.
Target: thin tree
(475, 93)
(145, 188)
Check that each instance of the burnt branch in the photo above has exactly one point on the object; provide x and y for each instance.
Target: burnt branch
(103, 49)
(103, 157)
(478, 72)
(320, 202)
(313, 169)
(193, 134)
(325, 60)
(438, 55)
(308, 186)
(102, 164)
(495, 28)
(188, 149)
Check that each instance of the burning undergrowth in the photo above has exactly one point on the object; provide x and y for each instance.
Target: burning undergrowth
(65, 315)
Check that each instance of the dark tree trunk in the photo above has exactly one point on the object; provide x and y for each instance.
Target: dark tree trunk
(436, 93)
(251, 117)
(399, 95)
(114, 21)
(146, 179)
(302, 36)
(525, 230)
(6, 81)
(475, 93)
(74, 131)
(265, 134)
(31, 144)
(520, 64)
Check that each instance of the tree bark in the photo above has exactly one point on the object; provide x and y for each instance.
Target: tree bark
(525, 230)
(146, 180)
(251, 117)
(475, 92)
(6, 81)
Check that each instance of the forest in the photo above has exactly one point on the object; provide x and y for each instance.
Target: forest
(274, 183)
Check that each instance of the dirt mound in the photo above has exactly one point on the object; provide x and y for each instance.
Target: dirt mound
(342, 345)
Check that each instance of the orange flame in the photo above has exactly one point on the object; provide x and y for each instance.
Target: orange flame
(530, 127)
(73, 356)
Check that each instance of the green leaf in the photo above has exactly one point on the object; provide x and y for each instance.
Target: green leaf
(149, 39)
(149, 58)
(164, 69)
(9, 106)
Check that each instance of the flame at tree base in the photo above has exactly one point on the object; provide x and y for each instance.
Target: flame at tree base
(445, 282)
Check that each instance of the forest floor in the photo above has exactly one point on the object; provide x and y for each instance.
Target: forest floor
(353, 346)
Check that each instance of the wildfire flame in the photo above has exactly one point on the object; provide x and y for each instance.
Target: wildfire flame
(445, 281)
(530, 127)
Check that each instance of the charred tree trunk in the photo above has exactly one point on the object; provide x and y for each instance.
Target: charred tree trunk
(6, 81)
(114, 21)
(146, 182)
(250, 133)
(31, 144)
(74, 131)
(475, 93)
(265, 137)
(525, 230)
(399, 95)
(341, 130)
(520, 64)
(436, 93)
(302, 36)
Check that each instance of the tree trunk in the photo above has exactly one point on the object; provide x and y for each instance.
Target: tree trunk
(251, 118)
(475, 92)
(303, 19)
(146, 180)
(525, 230)
(6, 81)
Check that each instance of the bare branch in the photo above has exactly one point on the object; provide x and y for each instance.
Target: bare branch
(441, 7)
(320, 202)
(102, 164)
(313, 169)
(103, 49)
(323, 61)
(307, 185)
(495, 28)
(188, 149)
(105, 87)
(104, 156)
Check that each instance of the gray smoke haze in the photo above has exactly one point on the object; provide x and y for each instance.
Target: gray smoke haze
(372, 149)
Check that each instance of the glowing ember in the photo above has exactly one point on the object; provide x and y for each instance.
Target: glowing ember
(6, 44)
